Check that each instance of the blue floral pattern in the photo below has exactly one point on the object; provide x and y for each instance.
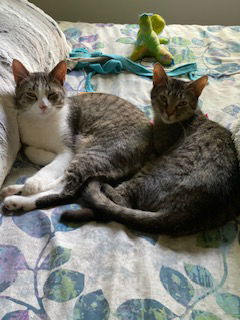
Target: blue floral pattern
(105, 271)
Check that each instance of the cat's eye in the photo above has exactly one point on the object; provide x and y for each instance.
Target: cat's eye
(182, 103)
(53, 96)
(163, 98)
(31, 95)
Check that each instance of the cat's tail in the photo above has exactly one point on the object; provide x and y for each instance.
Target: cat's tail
(104, 209)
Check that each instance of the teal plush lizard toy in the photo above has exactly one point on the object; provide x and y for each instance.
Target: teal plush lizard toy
(148, 44)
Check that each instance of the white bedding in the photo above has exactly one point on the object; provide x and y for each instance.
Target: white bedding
(105, 271)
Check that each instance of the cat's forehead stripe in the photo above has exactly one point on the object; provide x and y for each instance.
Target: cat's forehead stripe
(40, 80)
(174, 88)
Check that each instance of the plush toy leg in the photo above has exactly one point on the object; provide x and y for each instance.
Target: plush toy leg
(163, 56)
(163, 41)
(138, 53)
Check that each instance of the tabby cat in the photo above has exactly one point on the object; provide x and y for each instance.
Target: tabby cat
(192, 185)
(75, 138)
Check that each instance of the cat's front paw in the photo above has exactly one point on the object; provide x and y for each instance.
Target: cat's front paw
(33, 186)
(16, 203)
(10, 190)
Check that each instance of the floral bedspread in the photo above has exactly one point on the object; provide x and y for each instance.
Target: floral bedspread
(106, 271)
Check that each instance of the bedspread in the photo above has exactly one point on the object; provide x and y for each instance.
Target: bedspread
(106, 271)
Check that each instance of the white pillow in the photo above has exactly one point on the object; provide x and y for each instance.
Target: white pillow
(31, 36)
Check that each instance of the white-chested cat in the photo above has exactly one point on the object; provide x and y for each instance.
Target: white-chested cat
(74, 138)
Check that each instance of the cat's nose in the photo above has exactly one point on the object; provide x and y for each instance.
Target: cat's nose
(43, 107)
(170, 112)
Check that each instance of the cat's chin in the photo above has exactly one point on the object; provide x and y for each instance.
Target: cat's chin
(46, 113)
(168, 121)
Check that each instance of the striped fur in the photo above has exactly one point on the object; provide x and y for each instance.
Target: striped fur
(193, 184)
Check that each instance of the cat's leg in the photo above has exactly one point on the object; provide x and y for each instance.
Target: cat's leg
(90, 164)
(41, 180)
(10, 190)
(78, 216)
(27, 203)
(39, 156)
(119, 195)
(17, 188)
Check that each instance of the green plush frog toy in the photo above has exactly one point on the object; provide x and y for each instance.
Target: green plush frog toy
(148, 44)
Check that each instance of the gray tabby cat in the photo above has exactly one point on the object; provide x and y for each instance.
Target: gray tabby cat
(192, 185)
(76, 138)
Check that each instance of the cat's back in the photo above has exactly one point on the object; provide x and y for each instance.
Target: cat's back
(209, 134)
(105, 107)
(209, 146)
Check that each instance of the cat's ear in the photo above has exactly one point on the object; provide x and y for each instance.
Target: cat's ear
(19, 71)
(198, 85)
(59, 72)
(159, 75)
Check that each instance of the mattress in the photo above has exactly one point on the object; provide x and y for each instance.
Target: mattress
(100, 271)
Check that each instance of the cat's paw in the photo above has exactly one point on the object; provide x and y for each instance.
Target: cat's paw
(107, 190)
(16, 203)
(113, 194)
(11, 190)
(33, 185)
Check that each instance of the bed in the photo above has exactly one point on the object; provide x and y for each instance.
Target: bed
(105, 271)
